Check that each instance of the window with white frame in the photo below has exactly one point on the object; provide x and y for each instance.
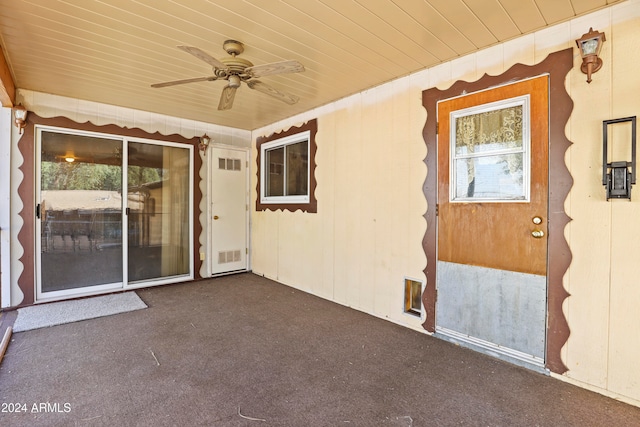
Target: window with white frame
(284, 169)
(490, 150)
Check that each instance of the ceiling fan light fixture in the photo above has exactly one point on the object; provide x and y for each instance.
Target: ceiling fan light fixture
(234, 81)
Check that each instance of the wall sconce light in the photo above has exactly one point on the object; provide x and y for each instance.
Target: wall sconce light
(204, 143)
(20, 116)
(590, 45)
(616, 176)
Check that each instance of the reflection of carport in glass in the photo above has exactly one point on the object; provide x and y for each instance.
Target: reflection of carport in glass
(77, 220)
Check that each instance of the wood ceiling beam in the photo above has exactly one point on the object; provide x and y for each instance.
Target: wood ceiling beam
(7, 86)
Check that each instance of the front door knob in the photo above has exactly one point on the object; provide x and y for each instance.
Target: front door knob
(538, 234)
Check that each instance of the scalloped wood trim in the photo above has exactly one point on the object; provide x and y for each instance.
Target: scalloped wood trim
(557, 65)
(26, 189)
(312, 206)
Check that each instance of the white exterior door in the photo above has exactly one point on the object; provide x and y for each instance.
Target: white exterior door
(229, 213)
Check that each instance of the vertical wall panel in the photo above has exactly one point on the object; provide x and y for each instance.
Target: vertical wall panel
(347, 211)
(587, 348)
(325, 173)
(372, 127)
(519, 51)
(624, 335)
(490, 61)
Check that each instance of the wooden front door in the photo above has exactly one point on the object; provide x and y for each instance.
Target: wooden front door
(493, 149)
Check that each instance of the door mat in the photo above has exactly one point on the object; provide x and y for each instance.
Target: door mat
(59, 313)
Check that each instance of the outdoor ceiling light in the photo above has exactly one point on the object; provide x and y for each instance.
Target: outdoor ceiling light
(204, 143)
(20, 115)
(590, 45)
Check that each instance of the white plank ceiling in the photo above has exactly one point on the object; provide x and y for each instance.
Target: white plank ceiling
(111, 51)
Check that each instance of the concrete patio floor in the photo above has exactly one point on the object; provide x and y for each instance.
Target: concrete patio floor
(243, 350)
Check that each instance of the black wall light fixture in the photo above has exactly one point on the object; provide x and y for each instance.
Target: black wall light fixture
(616, 175)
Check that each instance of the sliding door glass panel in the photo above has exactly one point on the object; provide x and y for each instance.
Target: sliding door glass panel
(80, 211)
(158, 211)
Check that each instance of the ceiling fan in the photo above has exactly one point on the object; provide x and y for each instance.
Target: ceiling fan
(236, 70)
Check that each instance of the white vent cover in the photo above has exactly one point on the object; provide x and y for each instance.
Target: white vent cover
(229, 164)
(229, 256)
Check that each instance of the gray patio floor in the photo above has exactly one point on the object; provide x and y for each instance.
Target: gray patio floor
(245, 351)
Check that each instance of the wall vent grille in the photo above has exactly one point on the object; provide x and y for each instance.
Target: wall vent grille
(229, 164)
(225, 257)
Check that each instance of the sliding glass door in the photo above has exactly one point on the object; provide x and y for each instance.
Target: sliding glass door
(91, 239)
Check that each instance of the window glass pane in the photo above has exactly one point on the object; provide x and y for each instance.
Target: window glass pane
(490, 177)
(297, 166)
(489, 131)
(275, 176)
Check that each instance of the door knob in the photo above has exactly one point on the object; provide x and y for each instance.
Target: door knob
(538, 234)
(216, 217)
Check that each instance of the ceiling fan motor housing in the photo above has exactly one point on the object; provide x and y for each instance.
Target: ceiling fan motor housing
(235, 65)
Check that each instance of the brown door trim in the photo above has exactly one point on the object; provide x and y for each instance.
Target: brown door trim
(557, 65)
(26, 190)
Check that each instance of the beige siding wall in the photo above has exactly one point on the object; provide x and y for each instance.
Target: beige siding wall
(367, 234)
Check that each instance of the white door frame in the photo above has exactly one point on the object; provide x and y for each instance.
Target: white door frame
(212, 163)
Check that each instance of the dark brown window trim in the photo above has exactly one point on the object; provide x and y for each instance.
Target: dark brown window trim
(557, 65)
(312, 205)
(26, 190)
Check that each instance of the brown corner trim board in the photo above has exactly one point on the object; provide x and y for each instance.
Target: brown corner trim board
(557, 65)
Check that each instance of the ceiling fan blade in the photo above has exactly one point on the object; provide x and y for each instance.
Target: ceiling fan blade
(291, 66)
(265, 88)
(203, 56)
(181, 82)
(226, 99)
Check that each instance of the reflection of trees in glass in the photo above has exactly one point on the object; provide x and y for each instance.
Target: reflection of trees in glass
(80, 176)
(140, 175)
(90, 176)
